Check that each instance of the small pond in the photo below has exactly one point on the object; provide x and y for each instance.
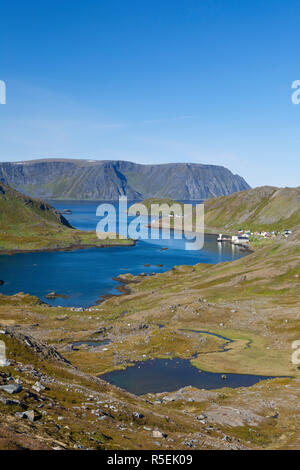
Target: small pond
(92, 344)
(168, 375)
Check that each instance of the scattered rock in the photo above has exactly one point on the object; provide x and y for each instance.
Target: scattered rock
(38, 387)
(9, 402)
(159, 434)
(62, 318)
(11, 388)
(189, 443)
(100, 331)
(167, 399)
(137, 415)
(30, 415)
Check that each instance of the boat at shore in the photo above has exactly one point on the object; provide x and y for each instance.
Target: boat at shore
(222, 238)
(241, 240)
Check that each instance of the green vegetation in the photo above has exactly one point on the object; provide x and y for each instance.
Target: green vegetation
(28, 224)
(253, 301)
(266, 208)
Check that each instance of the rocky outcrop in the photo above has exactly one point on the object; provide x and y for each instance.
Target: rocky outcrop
(43, 350)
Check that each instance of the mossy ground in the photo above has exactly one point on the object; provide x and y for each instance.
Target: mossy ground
(253, 301)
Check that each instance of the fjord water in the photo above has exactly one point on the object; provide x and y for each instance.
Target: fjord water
(85, 275)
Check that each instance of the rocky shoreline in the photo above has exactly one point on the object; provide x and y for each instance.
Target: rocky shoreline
(72, 247)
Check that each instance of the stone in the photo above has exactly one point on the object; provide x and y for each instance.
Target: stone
(100, 331)
(38, 387)
(159, 434)
(27, 415)
(8, 401)
(137, 415)
(168, 399)
(189, 443)
(11, 388)
(30, 415)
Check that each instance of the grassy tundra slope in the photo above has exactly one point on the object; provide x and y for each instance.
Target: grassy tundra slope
(265, 208)
(28, 224)
(254, 302)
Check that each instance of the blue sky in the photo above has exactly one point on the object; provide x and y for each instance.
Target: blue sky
(205, 81)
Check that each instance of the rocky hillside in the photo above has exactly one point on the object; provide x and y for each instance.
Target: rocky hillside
(16, 209)
(28, 224)
(107, 180)
(263, 208)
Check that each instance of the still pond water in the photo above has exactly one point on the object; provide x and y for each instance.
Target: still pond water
(161, 375)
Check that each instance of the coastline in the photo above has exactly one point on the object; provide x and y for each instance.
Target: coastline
(72, 247)
(207, 231)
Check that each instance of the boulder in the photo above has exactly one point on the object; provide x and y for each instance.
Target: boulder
(30, 414)
(137, 415)
(159, 434)
(38, 387)
(11, 388)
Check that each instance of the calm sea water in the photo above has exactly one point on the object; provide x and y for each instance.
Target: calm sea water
(84, 275)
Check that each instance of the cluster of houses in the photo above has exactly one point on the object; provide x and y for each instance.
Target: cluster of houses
(242, 237)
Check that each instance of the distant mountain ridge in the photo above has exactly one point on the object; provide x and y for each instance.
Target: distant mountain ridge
(107, 180)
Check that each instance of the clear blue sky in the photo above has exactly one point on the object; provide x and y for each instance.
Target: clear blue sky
(205, 81)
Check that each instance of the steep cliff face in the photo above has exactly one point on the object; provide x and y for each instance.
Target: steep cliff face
(107, 180)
